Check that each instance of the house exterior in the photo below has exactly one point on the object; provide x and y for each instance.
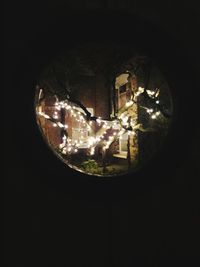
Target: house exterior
(125, 86)
(95, 95)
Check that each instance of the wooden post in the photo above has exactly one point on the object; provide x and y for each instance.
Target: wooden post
(62, 120)
(128, 152)
(104, 159)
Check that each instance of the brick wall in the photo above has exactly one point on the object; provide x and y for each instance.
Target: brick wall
(94, 93)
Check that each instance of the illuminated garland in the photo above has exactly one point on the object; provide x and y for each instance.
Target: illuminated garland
(124, 124)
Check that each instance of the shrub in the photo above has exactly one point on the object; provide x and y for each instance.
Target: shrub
(90, 166)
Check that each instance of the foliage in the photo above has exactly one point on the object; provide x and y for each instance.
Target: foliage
(90, 166)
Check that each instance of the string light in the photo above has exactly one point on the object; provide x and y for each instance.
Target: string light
(149, 110)
(141, 90)
(92, 150)
(150, 93)
(129, 103)
(99, 121)
(69, 146)
(55, 116)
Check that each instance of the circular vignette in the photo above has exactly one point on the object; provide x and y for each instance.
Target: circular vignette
(103, 108)
(169, 59)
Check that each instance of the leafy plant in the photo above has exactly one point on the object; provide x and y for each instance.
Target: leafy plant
(90, 166)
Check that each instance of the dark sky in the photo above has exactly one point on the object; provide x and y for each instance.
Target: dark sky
(57, 217)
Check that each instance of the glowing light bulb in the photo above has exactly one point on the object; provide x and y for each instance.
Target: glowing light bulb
(129, 103)
(150, 93)
(92, 151)
(141, 89)
(55, 116)
(124, 120)
(46, 116)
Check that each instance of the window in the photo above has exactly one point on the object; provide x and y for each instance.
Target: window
(79, 134)
(123, 144)
(122, 152)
